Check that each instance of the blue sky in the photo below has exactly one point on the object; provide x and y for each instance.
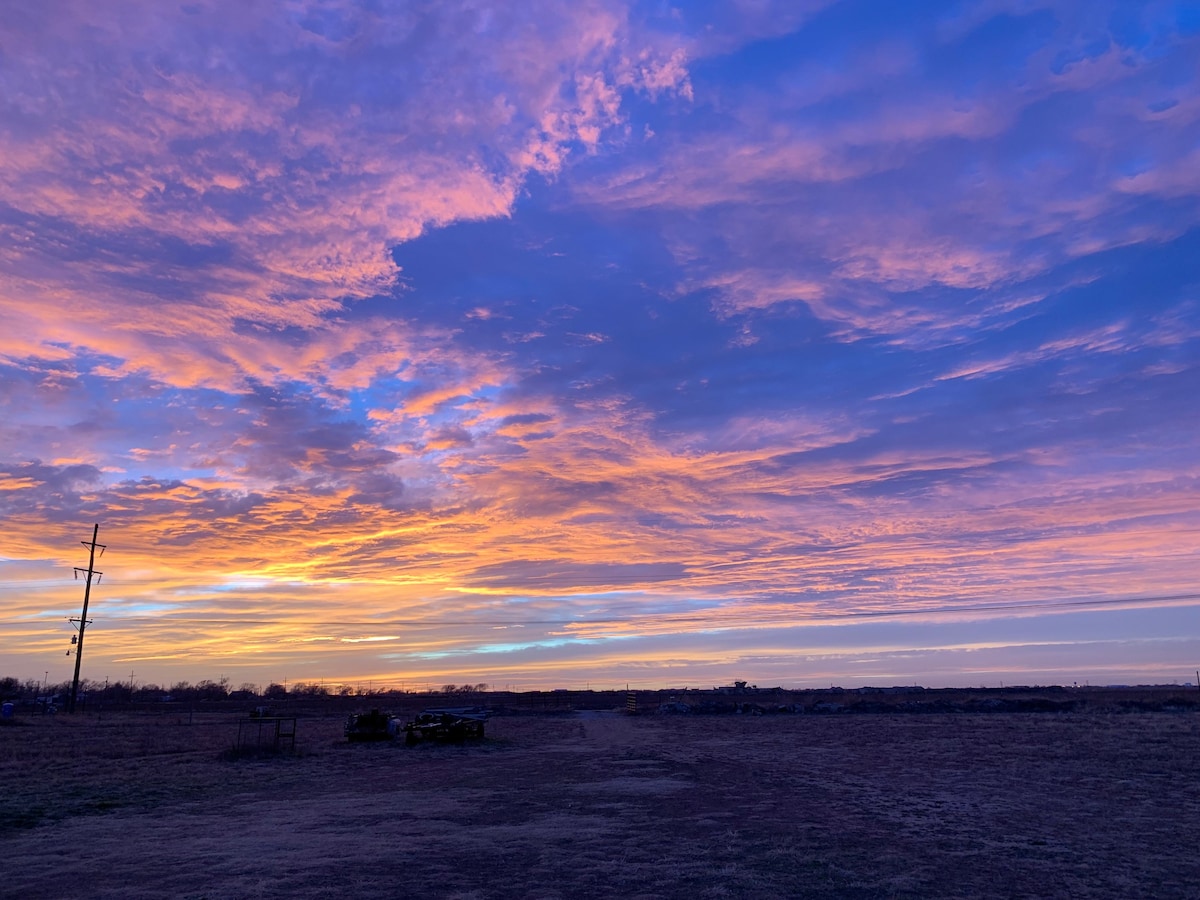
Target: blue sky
(603, 342)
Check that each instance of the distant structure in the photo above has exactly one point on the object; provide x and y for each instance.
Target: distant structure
(738, 687)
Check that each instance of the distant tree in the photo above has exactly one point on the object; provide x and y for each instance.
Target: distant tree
(10, 688)
(92, 688)
(275, 692)
(210, 690)
(310, 689)
(462, 688)
(249, 687)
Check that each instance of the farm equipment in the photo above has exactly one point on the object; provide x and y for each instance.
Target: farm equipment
(371, 726)
(431, 725)
(445, 725)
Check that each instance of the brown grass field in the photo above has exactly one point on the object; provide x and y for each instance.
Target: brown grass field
(597, 804)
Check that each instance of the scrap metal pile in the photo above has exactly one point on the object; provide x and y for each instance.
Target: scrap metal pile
(456, 724)
(371, 726)
(446, 725)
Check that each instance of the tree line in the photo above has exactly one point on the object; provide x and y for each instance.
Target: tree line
(32, 689)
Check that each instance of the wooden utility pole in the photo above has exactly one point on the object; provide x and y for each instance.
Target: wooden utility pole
(83, 622)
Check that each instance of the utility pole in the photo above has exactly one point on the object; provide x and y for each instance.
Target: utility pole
(83, 622)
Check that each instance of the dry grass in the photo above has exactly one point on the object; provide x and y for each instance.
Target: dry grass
(599, 805)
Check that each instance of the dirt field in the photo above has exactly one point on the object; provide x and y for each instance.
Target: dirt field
(597, 804)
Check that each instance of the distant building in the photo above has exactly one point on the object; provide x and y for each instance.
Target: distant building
(738, 687)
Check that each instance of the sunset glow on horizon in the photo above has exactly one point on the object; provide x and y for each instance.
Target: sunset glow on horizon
(563, 344)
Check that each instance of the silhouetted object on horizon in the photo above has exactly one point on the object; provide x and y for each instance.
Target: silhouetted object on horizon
(83, 621)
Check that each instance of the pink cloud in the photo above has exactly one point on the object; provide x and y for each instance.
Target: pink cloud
(224, 141)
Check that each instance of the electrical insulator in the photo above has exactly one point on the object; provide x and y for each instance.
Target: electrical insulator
(74, 639)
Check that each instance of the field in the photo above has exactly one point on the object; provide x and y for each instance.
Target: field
(597, 804)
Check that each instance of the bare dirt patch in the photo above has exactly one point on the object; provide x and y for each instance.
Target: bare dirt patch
(601, 805)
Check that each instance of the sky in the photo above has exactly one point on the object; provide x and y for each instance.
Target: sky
(592, 343)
